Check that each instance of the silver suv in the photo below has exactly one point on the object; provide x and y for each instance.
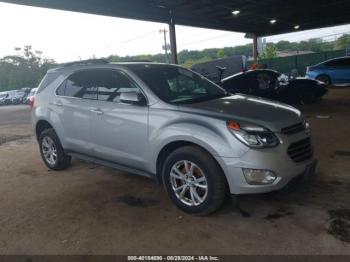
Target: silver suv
(169, 123)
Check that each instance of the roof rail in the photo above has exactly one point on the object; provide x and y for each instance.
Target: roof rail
(87, 62)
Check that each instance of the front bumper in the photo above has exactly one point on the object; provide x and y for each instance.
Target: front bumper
(274, 159)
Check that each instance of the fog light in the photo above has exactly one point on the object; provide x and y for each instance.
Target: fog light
(258, 176)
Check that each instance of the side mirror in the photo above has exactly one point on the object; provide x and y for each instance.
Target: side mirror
(132, 97)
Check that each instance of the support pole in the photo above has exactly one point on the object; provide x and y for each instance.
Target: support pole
(165, 47)
(255, 49)
(172, 39)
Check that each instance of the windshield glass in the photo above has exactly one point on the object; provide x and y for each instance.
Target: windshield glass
(177, 85)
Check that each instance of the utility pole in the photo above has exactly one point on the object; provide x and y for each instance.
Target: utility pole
(165, 46)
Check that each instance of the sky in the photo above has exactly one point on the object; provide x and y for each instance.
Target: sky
(69, 36)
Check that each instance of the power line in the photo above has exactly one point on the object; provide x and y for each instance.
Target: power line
(210, 38)
(274, 39)
(130, 40)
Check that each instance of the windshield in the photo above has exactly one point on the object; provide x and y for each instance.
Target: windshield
(177, 85)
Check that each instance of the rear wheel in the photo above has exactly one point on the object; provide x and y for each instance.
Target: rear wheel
(325, 79)
(51, 150)
(194, 180)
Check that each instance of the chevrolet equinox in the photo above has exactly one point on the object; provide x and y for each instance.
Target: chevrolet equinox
(172, 124)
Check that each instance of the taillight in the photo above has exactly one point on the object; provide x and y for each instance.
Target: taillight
(31, 102)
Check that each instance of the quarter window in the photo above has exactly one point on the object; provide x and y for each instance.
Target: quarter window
(47, 80)
(60, 90)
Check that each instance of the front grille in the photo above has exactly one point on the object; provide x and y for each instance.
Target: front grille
(301, 150)
(293, 129)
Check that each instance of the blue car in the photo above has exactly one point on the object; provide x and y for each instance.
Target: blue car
(334, 71)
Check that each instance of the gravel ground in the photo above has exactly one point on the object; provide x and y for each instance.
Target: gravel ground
(90, 209)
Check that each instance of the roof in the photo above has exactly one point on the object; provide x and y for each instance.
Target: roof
(254, 16)
(101, 63)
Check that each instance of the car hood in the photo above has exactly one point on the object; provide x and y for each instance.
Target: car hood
(270, 114)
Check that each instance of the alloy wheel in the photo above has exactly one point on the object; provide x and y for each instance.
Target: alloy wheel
(49, 150)
(189, 183)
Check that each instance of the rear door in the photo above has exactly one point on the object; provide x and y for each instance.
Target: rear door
(73, 102)
(119, 130)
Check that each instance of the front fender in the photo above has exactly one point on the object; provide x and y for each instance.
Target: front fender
(212, 135)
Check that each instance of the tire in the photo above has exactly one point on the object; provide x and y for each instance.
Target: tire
(325, 79)
(203, 165)
(61, 161)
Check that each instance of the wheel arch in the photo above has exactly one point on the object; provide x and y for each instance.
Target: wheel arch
(325, 75)
(171, 147)
(40, 126)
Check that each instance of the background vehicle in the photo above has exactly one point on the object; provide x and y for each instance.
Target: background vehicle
(273, 85)
(3, 97)
(30, 95)
(169, 123)
(10, 97)
(18, 97)
(231, 65)
(334, 71)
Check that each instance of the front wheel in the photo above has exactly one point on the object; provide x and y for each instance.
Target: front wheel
(325, 79)
(194, 181)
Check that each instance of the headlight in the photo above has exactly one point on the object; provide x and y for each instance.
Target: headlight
(253, 136)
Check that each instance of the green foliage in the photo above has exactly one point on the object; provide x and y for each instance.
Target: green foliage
(343, 42)
(269, 52)
(220, 53)
(24, 69)
(191, 62)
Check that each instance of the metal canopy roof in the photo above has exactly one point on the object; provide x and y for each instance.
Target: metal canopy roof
(254, 16)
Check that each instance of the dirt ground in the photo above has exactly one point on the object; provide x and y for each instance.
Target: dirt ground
(90, 209)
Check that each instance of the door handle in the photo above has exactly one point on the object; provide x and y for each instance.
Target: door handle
(57, 103)
(96, 111)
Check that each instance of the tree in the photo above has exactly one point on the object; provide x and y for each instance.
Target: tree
(25, 69)
(220, 53)
(269, 52)
(342, 42)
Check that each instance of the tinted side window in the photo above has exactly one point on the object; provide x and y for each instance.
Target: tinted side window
(236, 83)
(339, 62)
(81, 85)
(47, 80)
(345, 62)
(60, 90)
(111, 83)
